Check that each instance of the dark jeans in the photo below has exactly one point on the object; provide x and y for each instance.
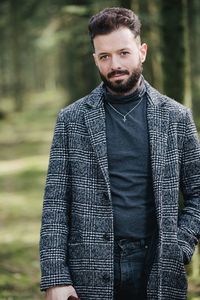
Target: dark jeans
(129, 269)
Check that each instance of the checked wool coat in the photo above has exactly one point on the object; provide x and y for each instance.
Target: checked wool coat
(76, 244)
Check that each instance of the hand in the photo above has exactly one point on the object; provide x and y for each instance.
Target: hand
(60, 292)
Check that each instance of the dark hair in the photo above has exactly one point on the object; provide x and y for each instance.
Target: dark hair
(111, 19)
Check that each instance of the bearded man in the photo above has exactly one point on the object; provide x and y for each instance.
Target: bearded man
(111, 224)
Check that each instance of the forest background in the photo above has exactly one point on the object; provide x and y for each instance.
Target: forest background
(45, 64)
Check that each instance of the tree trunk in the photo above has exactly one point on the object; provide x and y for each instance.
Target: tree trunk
(151, 35)
(126, 3)
(16, 55)
(173, 48)
(194, 38)
(187, 84)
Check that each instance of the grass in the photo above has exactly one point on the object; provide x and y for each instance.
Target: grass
(25, 140)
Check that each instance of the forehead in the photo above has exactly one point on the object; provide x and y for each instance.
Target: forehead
(118, 39)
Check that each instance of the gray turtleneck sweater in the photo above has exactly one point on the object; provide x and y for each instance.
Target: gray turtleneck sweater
(129, 165)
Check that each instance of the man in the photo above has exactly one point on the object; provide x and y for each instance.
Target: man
(111, 225)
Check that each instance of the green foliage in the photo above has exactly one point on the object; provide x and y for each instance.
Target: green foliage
(45, 45)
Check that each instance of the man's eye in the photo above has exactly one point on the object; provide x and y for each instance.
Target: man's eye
(124, 53)
(104, 57)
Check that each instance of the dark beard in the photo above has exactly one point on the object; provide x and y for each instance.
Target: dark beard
(119, 86)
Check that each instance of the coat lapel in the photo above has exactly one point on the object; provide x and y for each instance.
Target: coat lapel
(95, 122)
(158, 123)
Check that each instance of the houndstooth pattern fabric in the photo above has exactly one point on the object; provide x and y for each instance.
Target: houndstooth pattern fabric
(76, 244)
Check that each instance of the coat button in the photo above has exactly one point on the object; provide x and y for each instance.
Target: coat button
(106, 277)
(106, 236)
(105, 194)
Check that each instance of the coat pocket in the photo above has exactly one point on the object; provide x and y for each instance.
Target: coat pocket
(186, 243)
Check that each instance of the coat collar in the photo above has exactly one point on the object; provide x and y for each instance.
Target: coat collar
(96, 125)
(95, 98)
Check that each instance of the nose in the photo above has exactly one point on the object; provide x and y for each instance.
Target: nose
(115, 64)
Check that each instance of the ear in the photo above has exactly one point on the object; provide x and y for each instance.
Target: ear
(143, 52)
(95, 59)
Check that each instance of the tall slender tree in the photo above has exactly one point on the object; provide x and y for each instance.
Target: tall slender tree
(16, 38)
(149, 14)
(173, 48)
(126, 3)
(194, 42)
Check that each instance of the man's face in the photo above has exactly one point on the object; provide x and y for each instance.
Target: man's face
(119, 57)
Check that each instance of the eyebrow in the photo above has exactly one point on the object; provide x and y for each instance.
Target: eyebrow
(123, 49)
(103, 53)
(106, 53)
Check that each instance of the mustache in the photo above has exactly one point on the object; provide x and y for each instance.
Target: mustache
(117, 72)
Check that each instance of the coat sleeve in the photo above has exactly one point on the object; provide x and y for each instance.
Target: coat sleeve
(55, 214)
(189, 219)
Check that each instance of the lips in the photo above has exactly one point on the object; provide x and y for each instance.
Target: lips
(117, 74)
